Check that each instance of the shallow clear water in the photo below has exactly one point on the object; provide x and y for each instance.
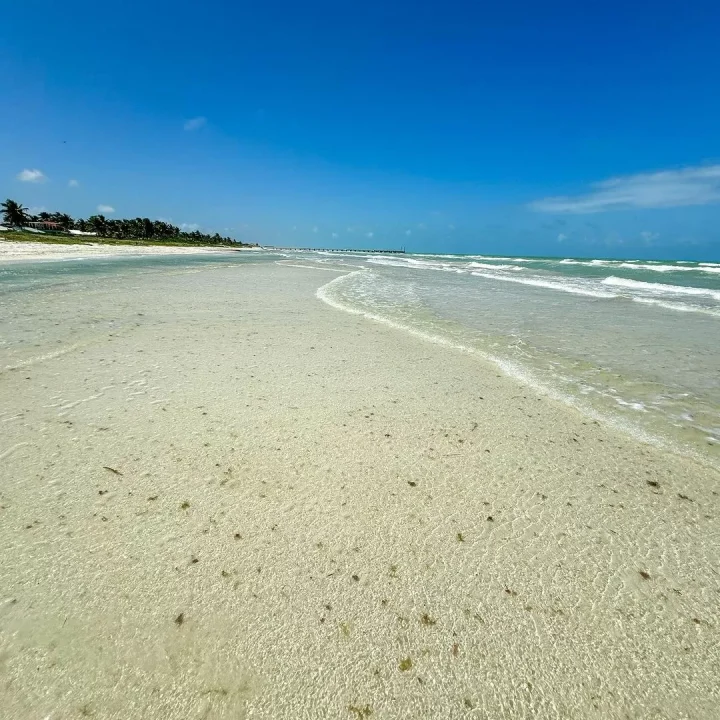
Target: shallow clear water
(54, 284)
(636, 342)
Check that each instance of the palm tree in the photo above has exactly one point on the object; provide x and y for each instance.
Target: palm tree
(148, 229)
(112, 228)
(14, 213)
(98, 223)
(65, 221)
(125, 230)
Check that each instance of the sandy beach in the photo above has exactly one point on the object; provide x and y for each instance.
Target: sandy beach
(16, 251)
(223, 498)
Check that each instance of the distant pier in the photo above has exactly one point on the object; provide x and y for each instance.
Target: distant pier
(401, 251)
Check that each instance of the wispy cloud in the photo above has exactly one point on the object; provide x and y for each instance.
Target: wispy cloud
(195, 123)
(105, 209)
(37, 210)
(562, 237)
(189, 227)
(73, 183)
(370, 234)
(664, 189)
(32, 176)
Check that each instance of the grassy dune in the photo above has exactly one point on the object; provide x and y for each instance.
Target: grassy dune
(19, 236)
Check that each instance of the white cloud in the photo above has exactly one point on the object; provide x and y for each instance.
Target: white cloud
(73, 183)
(334, 235)
(36, 210)
(195, 123)
(370, 234)
(561, 237)
(664, 189)
(315, 229)
(105, 209)
(32, 176)
(408, 232)
(451, 227)
(189, 227)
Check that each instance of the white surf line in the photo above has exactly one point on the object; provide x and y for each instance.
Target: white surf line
(677, 307)
(510, 369)
(309, 267)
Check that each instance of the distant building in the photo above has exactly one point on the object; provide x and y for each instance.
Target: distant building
(46, 225)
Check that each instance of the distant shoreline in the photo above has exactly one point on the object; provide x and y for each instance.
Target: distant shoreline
(26, 237)
(20, 248)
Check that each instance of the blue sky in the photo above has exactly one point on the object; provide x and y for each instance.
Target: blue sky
(554, 128)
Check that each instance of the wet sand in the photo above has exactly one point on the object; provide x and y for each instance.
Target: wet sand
(222, 498)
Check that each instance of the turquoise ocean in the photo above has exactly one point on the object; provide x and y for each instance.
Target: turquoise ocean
(635, 343)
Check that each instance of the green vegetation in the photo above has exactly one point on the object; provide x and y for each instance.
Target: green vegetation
(136, 231)
(14, 214)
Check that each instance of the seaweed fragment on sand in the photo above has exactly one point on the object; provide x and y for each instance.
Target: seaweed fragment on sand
(361, 711)
(405, 664)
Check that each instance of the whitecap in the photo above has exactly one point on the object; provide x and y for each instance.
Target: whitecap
(574, 288)
(660, 288)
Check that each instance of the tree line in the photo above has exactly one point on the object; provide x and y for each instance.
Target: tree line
(17, 216)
